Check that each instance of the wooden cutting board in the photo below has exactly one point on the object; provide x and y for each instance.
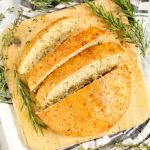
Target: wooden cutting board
(138, 110)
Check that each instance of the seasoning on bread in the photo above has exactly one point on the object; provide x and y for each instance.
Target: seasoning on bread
(68, 49)
(93, 109)
(45, 41)
(85, 67)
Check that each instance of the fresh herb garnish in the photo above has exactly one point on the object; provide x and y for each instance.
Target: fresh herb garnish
(45, 4)
(137, 27)
(1, 17)
(7, 40)
(9, 37)
(4, 92)
(10, 9)
(132, 32)
(35, 20)
(27, 99)
(120, 146)
(127, 9)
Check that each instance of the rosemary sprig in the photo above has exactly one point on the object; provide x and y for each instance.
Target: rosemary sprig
(137, 27)
(1, 17)
(7, 40)
(4, 92)
(10, 9)
(121, 146)
(45, 4)
(27, 99)
(132, 146)
(116, 24)
(127, 9)
(132, 32)
(9, 37)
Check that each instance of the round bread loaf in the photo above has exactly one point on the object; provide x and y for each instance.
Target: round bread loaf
(93, 109)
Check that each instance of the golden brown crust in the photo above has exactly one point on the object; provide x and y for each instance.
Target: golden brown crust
(84, 58)
(93, 109)
(68, 47)
(29, 46)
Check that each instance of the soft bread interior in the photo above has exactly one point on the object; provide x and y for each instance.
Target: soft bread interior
(51, 37)
(82, 77)
(93, 54)
(93, 43)
(65, 51)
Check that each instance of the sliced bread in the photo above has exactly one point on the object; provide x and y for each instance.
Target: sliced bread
(46, 40)
(85, 67)
(94, 108)
(66, 50)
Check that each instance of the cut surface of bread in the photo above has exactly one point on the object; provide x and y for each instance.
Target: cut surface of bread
(93, 109)
(45, 41)
(66, 50)
(79, 71)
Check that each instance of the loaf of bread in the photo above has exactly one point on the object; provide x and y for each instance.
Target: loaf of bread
(85, 67)
(80, 85)
(66, 50)
(94, 108)
(45, 41)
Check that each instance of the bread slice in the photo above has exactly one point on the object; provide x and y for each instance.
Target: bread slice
(45, 41)
(79, 71)
(68, 49)
(94, 108)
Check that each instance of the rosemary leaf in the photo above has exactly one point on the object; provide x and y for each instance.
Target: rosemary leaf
(10, 9)
(122, 146)
(127, 9)
(45, 4)
(132, 32)
(1, 17)
(9, 37)
(116, 24)
(22, 90)
(137, 27)
(7, 40)
(27, 99)
(4, 92)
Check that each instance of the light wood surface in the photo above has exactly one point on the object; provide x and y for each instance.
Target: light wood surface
(138, 110)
